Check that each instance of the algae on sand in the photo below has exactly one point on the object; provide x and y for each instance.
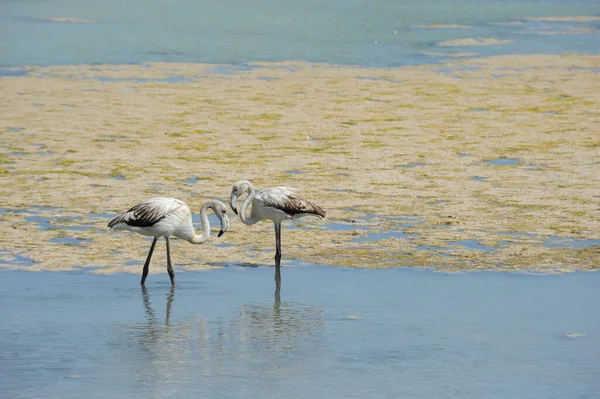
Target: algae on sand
(348, 130)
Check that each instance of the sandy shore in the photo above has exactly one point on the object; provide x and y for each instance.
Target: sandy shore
(504, 151)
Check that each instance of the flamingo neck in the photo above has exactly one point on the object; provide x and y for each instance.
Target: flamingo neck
(247, 201)
(203, 236)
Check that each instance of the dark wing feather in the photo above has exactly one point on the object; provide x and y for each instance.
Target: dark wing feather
(148, 213)
(286, 200)
(296, 204)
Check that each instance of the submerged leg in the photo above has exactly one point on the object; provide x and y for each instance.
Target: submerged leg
(147, 264)
(277, 245)
(277, 289)
(169, 266)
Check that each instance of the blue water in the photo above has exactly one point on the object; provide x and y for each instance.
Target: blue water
(503, 162)
(359, 32)
(570, 242)
(327, 332)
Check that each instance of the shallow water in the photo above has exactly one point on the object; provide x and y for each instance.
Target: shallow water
(358, 32)
(328, 332)
(503, 162)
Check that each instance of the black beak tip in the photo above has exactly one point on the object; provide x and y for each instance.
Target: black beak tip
(221, 233)
(235, 211)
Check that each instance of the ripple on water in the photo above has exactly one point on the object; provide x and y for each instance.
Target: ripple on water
(223, 245)
(191, 180)
(14, 259)
(394, 226)
(339, 226)
(452, 71)
(503, 161)
(101, 216)
(570, 242)
(58, 222)
(13, 72)
(231, 69)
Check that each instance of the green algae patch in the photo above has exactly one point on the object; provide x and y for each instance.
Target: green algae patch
(502, 157)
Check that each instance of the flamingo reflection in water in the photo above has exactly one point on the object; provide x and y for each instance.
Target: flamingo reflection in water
(150, 312)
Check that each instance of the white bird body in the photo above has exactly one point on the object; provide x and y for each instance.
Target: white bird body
(160, 217)
(166, 217)
(276, 204)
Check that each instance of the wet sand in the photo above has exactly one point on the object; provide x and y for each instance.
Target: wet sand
(479, 163)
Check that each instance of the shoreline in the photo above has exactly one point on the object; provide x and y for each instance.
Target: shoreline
(498, 152)
(457, 54)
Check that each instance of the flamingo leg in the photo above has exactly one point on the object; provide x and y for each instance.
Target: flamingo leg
(277, 289)
(277, 247)
(147, 264)
(169, 266)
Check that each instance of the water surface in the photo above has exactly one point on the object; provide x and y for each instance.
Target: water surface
(357, 32)
(328, 332)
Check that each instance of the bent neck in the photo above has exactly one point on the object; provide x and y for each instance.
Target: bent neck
(205, 233)
(253, 218)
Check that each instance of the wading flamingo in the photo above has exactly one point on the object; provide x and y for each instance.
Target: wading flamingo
(276, 204)
(165, 217)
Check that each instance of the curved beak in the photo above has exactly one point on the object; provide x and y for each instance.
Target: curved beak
(232, 203)
(224, 225)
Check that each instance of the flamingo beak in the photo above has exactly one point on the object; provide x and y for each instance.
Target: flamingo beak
(232, 202)
(224, 225)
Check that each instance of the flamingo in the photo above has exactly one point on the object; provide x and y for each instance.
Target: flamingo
(276, 204)
(165, 217)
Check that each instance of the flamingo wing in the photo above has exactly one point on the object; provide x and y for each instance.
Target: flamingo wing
(148, 213)
(286, 200)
